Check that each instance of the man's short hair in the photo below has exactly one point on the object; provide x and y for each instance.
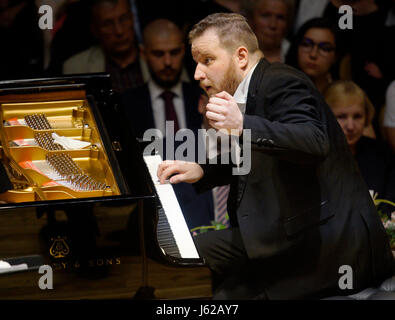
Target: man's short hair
(96, 3)
(232, 30)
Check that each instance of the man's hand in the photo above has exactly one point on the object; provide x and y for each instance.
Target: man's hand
(224, 113)
(179, 171)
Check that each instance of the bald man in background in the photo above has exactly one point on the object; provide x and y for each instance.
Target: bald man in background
(146, 107)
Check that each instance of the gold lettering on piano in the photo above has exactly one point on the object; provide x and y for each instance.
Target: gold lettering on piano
(99, 262)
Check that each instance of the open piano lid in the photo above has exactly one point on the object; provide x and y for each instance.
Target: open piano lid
(61, 140)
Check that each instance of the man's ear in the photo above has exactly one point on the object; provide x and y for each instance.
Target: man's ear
(242, 57)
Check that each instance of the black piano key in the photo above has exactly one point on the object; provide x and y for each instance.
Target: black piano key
(165, 236)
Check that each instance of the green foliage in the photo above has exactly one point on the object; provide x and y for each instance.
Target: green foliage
(215, 225)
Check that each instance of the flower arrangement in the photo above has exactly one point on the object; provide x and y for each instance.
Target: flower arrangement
(388, 221)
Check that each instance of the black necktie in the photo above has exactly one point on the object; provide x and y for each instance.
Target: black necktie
(171, 114)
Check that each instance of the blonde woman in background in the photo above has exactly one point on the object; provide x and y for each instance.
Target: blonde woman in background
(354, 113)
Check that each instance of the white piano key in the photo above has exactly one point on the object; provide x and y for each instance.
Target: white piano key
(172, 210)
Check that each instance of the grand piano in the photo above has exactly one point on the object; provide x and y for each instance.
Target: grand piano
(85, 201)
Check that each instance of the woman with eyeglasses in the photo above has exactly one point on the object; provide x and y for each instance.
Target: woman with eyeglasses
(314, 51)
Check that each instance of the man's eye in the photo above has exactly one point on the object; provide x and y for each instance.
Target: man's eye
(157, 54)
(207, 60)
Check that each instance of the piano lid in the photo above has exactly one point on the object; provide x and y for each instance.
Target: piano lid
(61, 141)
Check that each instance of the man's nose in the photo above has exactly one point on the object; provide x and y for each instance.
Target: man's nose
(199, 74)
(272, 23)
(118, 28)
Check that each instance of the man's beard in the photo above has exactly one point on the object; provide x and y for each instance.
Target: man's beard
(231, 80)
(166, 84)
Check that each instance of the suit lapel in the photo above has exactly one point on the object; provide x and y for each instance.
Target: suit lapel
(250, 109)
(256, 79)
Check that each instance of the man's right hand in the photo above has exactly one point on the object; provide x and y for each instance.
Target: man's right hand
(179, 171)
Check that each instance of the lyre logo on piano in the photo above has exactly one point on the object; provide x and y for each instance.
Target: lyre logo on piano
(59, 248)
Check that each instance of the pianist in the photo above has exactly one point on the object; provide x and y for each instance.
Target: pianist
(303, 213)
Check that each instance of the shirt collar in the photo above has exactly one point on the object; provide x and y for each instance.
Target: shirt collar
(242, 90)
(156, 91)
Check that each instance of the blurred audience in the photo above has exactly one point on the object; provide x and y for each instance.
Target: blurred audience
(389, 115)
(117, 52)
(314, 51)
(370, 46)
(354, 112)
(270, 20)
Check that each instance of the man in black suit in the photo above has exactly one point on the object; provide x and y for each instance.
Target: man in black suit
(166, 98)
(303, 214)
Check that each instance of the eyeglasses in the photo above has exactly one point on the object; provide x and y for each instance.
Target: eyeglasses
(324, 48)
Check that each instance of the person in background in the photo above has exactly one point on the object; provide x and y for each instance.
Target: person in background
(375, 159)
(314, 51)
(369, 45)
(270, 20)
(117, 53)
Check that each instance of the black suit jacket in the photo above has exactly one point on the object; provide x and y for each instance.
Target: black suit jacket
(303, 210)
(136, 107)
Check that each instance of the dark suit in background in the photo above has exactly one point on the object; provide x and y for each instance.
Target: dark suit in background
(137, 109)
(303, 211)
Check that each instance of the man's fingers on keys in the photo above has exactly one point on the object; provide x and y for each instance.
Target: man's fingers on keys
(165, 164)
(169, 171)
(178, 178)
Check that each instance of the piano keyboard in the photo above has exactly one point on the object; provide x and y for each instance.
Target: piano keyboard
(173, 234)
